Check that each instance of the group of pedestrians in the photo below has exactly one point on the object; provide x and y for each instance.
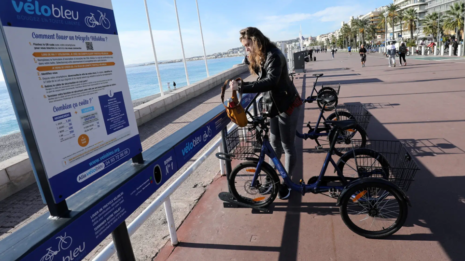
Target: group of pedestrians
(392, 51)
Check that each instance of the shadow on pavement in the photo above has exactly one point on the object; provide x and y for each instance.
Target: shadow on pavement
(399, 94)
(438, 202)
(290, 237)
(354, 81)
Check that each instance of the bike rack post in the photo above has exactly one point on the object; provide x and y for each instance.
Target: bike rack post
(224, 134)
(221, 150)
(171, 224)
(123, 243)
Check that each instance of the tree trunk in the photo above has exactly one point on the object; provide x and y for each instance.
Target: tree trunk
(393, 34)
(411, 30)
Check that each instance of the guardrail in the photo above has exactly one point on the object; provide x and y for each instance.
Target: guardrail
(102, 207)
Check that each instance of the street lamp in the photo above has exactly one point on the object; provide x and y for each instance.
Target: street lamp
(386, 14)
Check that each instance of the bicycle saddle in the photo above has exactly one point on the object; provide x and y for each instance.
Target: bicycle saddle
(344, 125)
(318, 74)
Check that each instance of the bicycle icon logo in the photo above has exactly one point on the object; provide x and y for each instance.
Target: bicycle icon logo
(92, 22)
(207, 134)
(64, 243)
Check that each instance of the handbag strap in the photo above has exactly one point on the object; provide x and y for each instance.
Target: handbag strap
(223, 89)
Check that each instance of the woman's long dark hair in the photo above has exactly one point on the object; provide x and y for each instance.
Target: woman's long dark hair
(260, 42)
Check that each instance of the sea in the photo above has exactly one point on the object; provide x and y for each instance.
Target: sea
(142, 80)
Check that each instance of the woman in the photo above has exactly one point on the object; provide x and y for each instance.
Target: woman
(402, 53)
(280, 96)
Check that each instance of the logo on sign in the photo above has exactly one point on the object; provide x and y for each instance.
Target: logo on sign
(191, 145)
(64, 242)
(103, 21)
(35, 8)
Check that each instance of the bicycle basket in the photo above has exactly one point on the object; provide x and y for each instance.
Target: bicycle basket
(402, 167)
(359, 111)
(335, 87)
(242, 143)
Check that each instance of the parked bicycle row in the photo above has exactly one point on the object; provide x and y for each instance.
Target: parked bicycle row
(371, 176)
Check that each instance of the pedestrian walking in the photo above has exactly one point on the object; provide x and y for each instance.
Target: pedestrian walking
(392, 54)
(332, 52)
(350, 50)
(174, 85)
(455, 45)
(363, 55)
(168, 83)
(402, 53)
(310, 52)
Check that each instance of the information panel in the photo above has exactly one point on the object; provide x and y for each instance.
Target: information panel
(69, 66)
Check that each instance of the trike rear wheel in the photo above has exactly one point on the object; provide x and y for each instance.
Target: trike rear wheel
(261, 194)
(373, 209)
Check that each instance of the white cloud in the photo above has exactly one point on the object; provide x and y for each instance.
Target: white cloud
(137, 47)
(277, 26)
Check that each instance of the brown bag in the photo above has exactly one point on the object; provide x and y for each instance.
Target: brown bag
(234, 109)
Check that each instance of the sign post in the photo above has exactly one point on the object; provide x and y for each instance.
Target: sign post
(64, 70)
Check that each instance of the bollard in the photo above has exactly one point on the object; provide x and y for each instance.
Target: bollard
(459, 50)
(450, 49)
(442, 50)
(423, 50)
(435, 50)
(171, 223)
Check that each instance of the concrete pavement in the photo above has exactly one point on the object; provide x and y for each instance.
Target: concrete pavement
(421, 104)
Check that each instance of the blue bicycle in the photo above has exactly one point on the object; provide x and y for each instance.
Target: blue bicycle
(370, 205)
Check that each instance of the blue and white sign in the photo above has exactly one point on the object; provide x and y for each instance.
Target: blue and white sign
(78, 239)
(68, 62)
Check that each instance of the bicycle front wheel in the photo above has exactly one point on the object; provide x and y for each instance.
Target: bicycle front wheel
(373, 209)
(262, 193)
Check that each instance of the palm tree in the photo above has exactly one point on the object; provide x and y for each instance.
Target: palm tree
(345, 30)
(362, 24)
(400, 19)
(454, 18)
(371, 31)
(431, 24)
(392, 13)
(411, 17)
(382, 24)
(354, 27)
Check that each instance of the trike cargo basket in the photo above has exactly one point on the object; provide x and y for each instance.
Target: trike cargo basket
(335, 87)
(242, 143)
(402, 167)
(359, 111)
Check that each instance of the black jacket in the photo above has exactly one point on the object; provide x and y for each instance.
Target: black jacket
(273, 80)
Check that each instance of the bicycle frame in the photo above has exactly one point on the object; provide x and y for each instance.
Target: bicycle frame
(315, 187)
(315, 132)
(312, 98)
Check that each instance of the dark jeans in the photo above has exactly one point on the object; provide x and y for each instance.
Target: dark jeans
(282, 138)
(402, 56)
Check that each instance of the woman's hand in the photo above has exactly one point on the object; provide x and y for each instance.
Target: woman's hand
(234, 85)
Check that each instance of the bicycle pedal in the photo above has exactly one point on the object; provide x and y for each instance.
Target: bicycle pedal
(318, 147)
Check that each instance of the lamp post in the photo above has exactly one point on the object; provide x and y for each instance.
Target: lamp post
(386, 14)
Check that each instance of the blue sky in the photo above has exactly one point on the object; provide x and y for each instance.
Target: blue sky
(221, 22)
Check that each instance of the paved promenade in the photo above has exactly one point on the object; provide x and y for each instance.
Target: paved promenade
(421, 104)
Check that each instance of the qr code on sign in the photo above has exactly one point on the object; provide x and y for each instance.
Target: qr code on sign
(89, 46)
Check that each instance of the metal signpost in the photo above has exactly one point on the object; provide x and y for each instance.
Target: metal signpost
(64, 70)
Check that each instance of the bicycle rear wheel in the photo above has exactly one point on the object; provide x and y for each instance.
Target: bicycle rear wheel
(345, 139)
(263, 193)
(364, 163)
(373, 209)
